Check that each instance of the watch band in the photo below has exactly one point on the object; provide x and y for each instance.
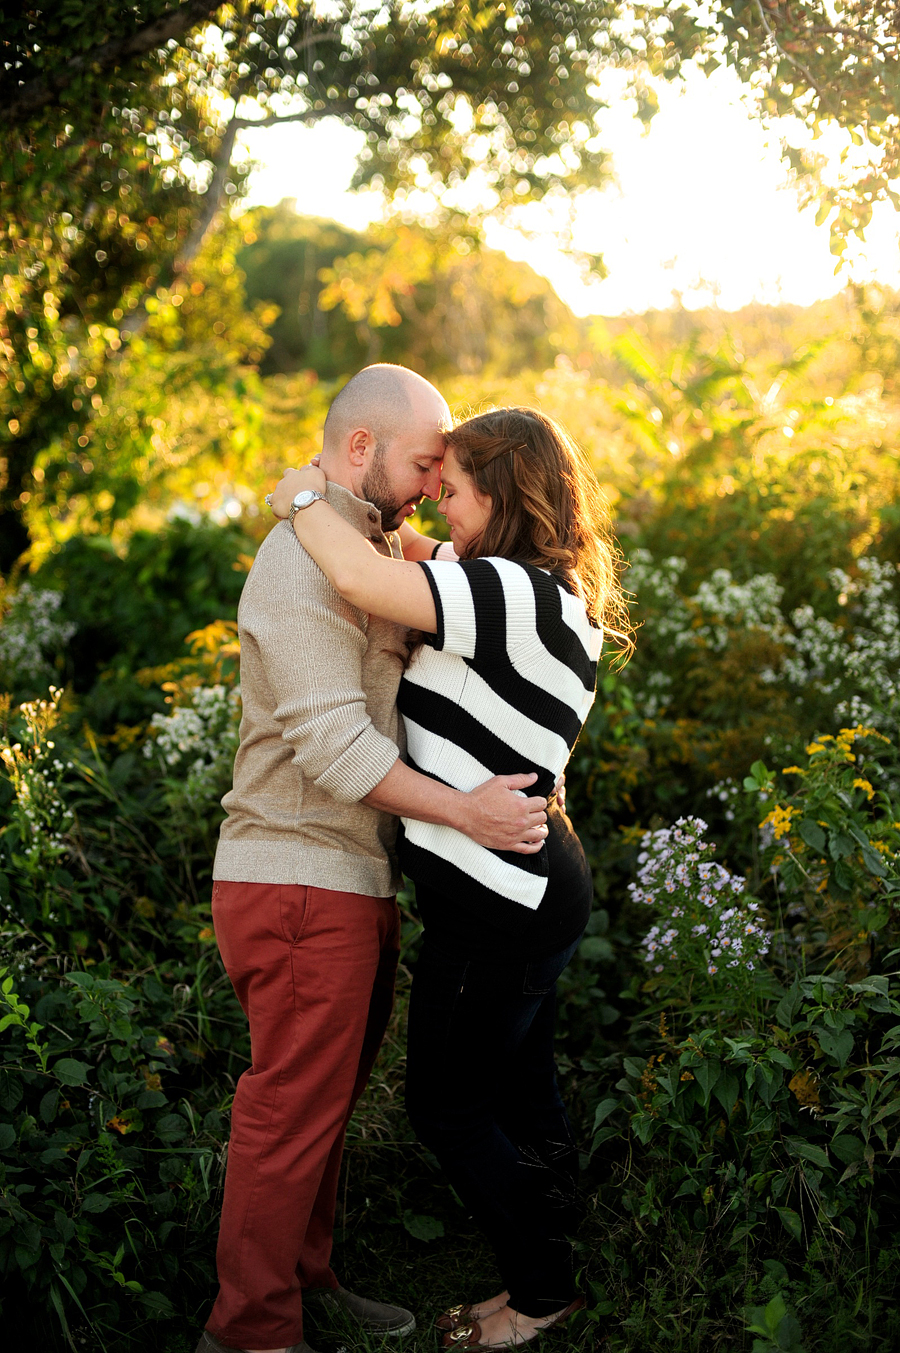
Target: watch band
(314, 497)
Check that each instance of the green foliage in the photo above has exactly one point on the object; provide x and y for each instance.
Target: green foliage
(833, 847)
(116, 160)
(764, 568)
(436, 299)
(110, 1175)
(133, 610)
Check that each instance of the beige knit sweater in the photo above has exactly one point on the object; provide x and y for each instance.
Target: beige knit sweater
(320, 727)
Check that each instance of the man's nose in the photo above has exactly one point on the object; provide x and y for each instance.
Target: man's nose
(432, 486)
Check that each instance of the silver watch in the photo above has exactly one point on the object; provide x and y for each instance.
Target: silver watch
(305, 498)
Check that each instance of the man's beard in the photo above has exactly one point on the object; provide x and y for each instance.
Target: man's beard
(377, 490)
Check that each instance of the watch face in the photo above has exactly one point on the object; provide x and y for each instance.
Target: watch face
(305, 497)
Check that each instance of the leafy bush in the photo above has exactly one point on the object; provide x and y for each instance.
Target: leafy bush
(110, 1175)
(132, 610)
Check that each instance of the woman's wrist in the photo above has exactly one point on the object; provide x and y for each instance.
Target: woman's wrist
(293, 482)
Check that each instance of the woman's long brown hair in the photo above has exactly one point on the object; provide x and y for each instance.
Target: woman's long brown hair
(546, 509)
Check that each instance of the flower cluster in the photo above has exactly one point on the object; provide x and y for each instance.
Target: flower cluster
(31, 635)
(729, 793)
(40, 816)
(854, 660)
(755, 604)
(198, 740)
(704, 920)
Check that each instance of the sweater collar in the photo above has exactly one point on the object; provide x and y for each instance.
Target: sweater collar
(365, 517)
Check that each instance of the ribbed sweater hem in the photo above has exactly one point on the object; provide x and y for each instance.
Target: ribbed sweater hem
(276, 861)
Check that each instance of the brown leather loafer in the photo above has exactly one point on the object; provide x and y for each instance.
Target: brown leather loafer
(469, 1336)
(454, 1316)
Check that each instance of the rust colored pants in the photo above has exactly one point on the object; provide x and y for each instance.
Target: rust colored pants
(314, 972)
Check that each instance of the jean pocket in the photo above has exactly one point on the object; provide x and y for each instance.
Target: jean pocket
(541, 974)
(293, 905)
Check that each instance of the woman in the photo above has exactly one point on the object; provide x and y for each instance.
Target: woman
(502, 682)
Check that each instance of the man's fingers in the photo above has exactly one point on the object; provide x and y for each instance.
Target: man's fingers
(519, 781)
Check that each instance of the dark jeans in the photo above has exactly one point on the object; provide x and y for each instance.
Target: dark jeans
(481, 1094)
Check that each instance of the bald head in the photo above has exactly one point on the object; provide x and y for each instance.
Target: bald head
(384, 399)
(384, 439)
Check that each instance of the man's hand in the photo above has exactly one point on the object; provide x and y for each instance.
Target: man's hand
(498, 817)
(495, 814)
(290, 484)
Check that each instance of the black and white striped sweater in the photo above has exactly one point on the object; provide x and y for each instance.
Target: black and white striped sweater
(503, 687)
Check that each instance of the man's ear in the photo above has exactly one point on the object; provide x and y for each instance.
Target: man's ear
(361, 444)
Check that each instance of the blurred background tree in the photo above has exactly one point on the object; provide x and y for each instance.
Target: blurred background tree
(119, 129)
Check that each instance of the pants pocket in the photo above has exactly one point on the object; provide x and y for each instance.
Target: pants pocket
(541, 973)
(293, 905)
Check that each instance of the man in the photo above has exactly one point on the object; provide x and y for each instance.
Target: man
(305, 877)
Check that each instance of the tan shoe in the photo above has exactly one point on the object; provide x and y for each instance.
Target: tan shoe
(210, 1344)
(375, 1316)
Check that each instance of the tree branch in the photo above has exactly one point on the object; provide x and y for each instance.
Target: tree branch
(36, 94)
(792, 59)
(212, 199)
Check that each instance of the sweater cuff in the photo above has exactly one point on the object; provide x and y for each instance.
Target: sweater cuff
(360, 768)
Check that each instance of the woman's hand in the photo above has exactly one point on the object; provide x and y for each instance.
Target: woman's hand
(291, 483)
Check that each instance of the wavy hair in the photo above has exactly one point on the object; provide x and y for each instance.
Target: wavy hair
(546, 509)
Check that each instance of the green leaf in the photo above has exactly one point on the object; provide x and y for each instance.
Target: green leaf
(423, 1228)
(847, 1148)
(791, 1221)
(877, 984)
(787, 1007)
(726, 1091)
(602, 1136)
(873, 862)
(776, 1055)
(95, 1202)
(80, 979)
(799, 1146)
(7, 1136)
(596, 949)
(706, 1074)
(813, 835)
(157, 1305)
(70, 1071)
(842, 877)
(603, 1110)
(172, 1126)
(151, 1099)
(836, 1043)
(48, 1106)
(840, 844)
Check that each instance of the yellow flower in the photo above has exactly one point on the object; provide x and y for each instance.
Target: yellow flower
(864, 784)
(793, 770)
(814, 747)
(780, 819)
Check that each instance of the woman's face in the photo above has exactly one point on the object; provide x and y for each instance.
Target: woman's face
(465, 509)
